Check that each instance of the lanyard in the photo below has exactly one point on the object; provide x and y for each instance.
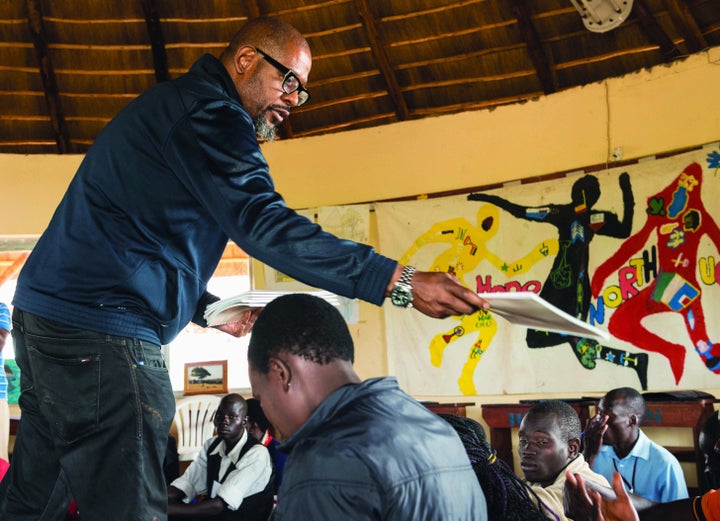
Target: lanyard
(630, 485)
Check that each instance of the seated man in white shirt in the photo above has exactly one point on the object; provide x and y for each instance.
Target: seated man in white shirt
(549, 445)
(231, 478)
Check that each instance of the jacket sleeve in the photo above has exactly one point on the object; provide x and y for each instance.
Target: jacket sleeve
(205, 300)
(215, 154)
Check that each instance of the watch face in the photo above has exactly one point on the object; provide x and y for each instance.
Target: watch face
(401, 296)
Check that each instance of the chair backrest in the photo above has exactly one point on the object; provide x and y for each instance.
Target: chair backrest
(194, 423)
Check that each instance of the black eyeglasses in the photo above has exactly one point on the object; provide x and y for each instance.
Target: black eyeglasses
(291, 83)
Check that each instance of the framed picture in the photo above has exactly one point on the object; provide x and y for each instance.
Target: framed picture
(206, 377)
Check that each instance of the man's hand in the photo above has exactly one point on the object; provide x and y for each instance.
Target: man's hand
(244, 325)
(593, 437)
(440, 295)
(579, 502)
(583, 504)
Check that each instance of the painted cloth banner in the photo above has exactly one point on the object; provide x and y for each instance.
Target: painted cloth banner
(630, 250)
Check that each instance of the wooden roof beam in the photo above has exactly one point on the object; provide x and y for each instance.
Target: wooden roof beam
(534, 46)
(655, 32)
(157, 42)
(378, 50)
(47, 74)
(687, 25)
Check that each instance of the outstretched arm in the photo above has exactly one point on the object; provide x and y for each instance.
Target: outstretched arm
(613, 226)
(445, 231)
(628, 204)
(512, 208)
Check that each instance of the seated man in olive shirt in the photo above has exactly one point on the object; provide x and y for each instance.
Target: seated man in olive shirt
(549, 445)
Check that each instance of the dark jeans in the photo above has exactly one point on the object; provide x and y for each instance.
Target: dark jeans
(96, 412)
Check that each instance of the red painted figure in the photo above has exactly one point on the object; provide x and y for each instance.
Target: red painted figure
(679, 219)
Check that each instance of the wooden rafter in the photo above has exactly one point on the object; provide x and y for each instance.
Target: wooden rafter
(253, 9)
(157, 42)
(374, 62)
(686, 25)
(401, 109)
(47, 73)
(655, 32)
(534, 46)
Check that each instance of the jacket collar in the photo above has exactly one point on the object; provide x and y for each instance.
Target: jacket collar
(336, 403)
(208, 65)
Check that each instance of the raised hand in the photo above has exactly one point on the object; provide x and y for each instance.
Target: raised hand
(593, 437)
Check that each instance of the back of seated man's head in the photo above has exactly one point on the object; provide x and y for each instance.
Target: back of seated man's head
(300, 351)
(625, 408)
(549, 439)
(257, 423)
(302, 325)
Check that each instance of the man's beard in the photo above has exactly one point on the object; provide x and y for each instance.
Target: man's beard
(263, 129)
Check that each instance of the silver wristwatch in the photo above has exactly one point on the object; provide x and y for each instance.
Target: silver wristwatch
(401, 294)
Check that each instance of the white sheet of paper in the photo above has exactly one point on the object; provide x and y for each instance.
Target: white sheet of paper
(215, 487)
(525, 308)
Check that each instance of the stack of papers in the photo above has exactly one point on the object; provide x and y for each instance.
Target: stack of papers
(525, 308)
(231, 309)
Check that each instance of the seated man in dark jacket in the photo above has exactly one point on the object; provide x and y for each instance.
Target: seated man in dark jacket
(231, 478)
(358, 450)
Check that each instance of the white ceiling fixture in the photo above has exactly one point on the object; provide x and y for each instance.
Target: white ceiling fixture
(600, 16)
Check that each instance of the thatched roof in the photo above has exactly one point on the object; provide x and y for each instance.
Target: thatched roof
(68, 66)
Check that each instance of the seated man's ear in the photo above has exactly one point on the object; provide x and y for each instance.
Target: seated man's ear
(573, 447)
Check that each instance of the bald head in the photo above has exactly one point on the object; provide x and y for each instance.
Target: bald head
(628, 398)
(268, 33)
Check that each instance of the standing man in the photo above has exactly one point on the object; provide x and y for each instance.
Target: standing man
(124, 263)
(358, 450)
(614, 442)
(230, 478)
(4, 408)
(549, 446)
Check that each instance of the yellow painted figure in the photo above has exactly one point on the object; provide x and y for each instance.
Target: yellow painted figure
(466, 249)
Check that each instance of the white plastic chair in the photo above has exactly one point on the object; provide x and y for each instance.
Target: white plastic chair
(194, 423)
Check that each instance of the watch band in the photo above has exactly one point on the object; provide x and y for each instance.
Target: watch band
(407, 275)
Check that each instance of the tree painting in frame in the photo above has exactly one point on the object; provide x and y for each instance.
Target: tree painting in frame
(206, 377)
